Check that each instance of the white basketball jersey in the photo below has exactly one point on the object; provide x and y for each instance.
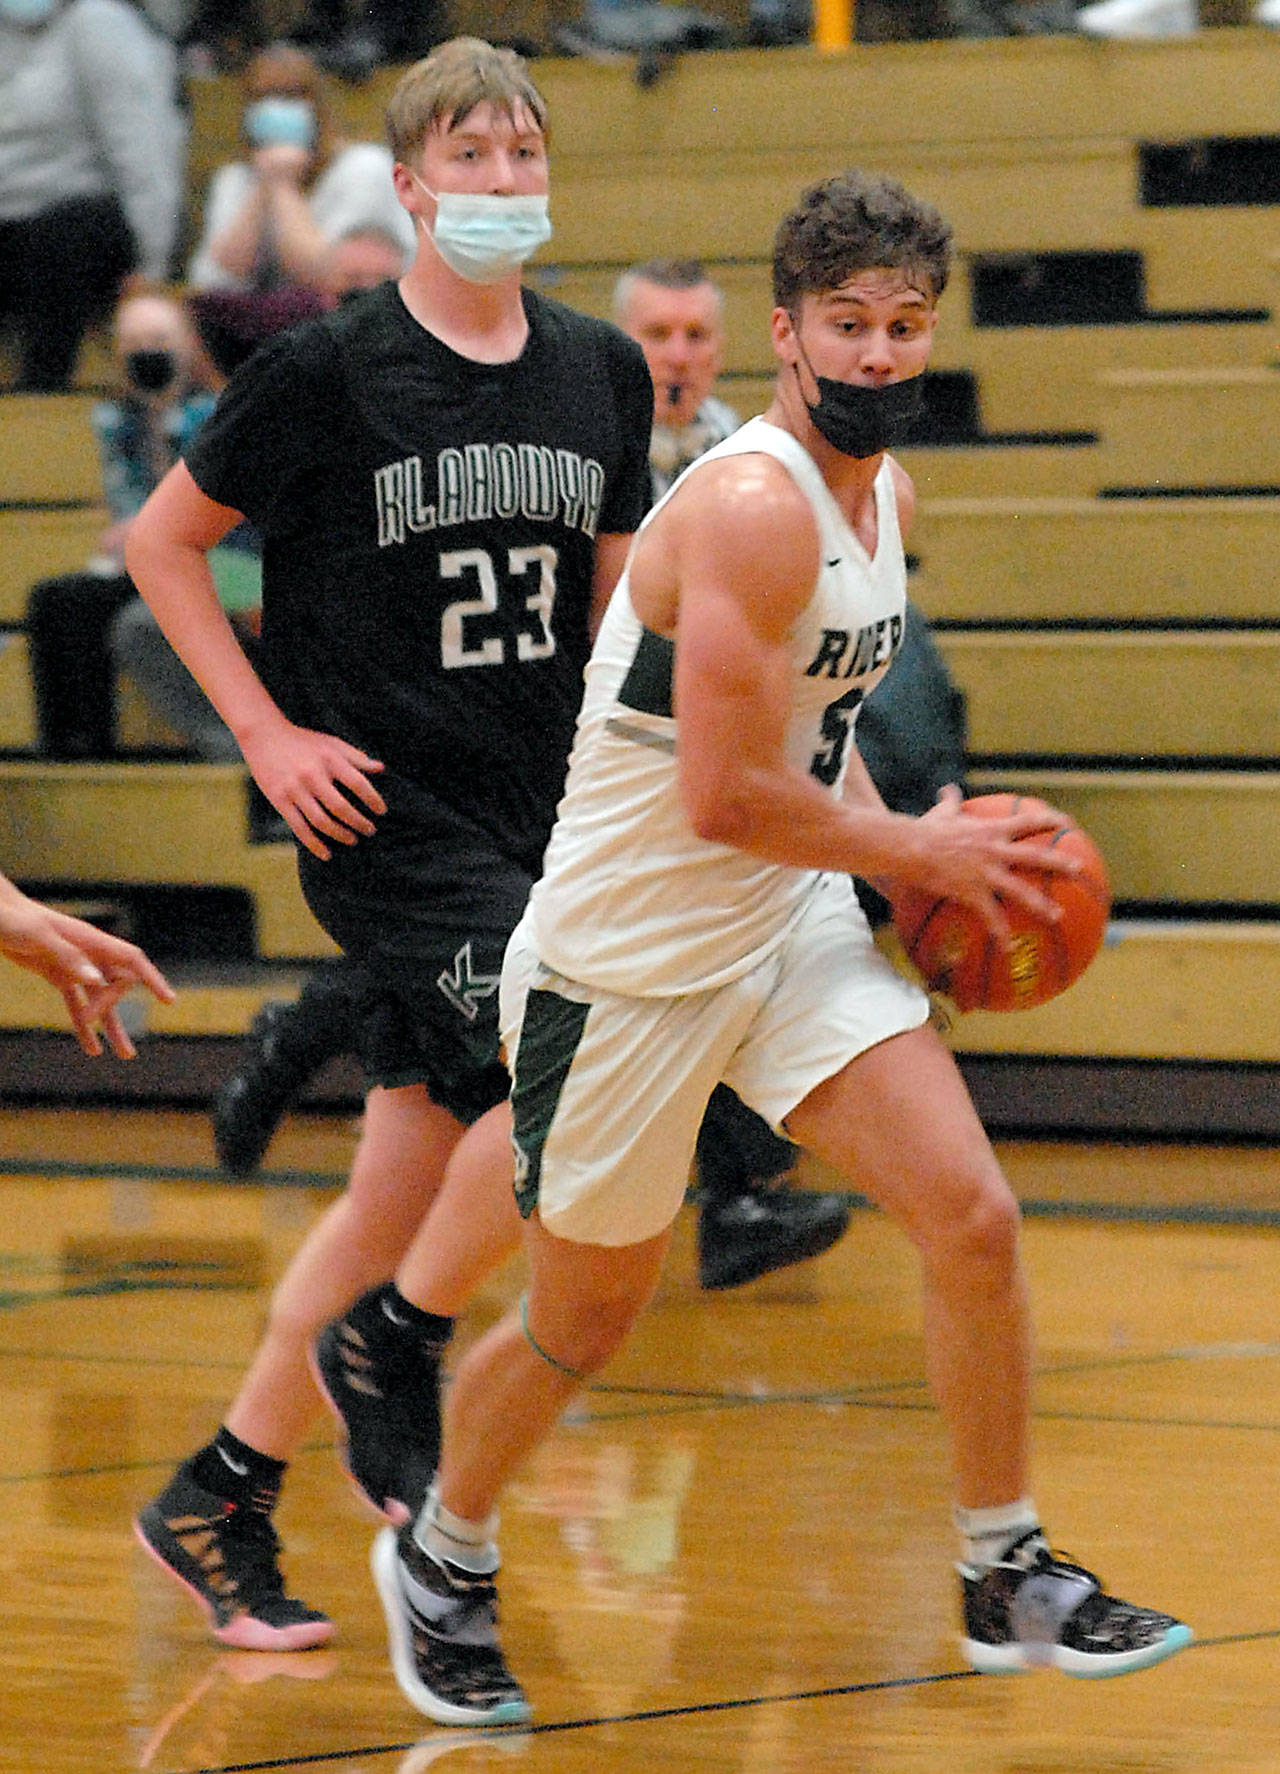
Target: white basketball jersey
(632, 900)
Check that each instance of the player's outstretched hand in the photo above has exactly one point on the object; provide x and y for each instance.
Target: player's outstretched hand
(981, 861)
(315, 782)
(92, 969)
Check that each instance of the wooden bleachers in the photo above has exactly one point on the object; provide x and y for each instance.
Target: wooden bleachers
(41, 542)
(1202, 993)
(1028, 146)
(1174, 250)
(1045, 559)
(1021, 471)
(1179, 430)
(172, 824)
(1053, 379)
(1120, 694)
(17, 705)
(48, 455)
(1110, 648)
(1197, 839)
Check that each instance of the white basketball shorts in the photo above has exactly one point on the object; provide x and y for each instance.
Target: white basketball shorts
(609, 1091)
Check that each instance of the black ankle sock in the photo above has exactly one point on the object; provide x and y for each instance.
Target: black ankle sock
(387, 1307)
(232, 1469)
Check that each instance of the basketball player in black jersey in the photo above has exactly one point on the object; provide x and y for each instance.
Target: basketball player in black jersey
(446, 473)
(749, 1221)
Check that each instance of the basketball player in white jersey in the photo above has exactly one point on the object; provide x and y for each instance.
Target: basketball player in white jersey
(695, 923)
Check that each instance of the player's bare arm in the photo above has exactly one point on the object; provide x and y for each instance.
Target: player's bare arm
(610, 558)
(735, 558)
(905, 499)
(308, 777)
(727, 568)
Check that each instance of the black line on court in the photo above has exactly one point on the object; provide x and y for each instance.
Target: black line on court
(1189, 1214)
(113, 1468)
(170, 1173)
(1130, 1420)
(707, 1405)
(651, 1715)
(658, 1714)
(1058, 1370)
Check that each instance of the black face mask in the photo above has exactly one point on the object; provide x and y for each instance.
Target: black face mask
(151, 371)
(862, 421)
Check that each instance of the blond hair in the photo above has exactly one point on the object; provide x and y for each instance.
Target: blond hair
(448, 84)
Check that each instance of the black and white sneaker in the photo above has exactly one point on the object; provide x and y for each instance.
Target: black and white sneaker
(1036, 1610)
(442, 1625)
(382, 1381)
(227, 1555)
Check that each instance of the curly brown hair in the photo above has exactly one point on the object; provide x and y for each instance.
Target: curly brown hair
(858, 221)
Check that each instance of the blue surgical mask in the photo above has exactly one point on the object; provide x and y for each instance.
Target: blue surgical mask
(484, 237)
(276, 122)
(28, 15)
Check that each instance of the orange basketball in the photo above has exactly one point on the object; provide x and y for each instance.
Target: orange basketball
(955, 952)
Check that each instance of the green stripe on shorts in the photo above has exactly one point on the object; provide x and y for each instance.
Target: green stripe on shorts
(550, 1032)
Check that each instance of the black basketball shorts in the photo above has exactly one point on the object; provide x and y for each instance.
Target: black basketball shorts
(427, 922)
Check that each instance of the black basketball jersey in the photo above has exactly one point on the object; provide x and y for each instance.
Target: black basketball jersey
(429, 528)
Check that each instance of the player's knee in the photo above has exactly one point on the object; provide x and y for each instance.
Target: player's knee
(580, 1344)
(975, 1241)
(600, 1334)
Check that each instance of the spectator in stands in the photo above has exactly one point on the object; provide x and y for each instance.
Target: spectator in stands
(360, 260)
(91, 968)
(273, 219)
(141, 432)
(1011, 18)
(674, 312)
(91, 158)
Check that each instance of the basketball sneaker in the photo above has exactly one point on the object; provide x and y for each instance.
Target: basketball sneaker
(288, 1043)
(442, 1625)
(227, 1555)
(761, 1227)
(382, 1379)
(1035, 1609)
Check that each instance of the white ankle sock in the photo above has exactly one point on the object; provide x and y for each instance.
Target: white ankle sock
(469, 1544)
(986, 1533)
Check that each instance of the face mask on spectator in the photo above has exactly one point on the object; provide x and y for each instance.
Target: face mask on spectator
(273, 122)
(28, 15)
(150, 371)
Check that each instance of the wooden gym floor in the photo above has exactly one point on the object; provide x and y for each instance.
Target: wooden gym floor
(736, 1553)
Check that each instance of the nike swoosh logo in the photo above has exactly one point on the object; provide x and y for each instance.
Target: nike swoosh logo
(836, 561)
(235, 1465)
